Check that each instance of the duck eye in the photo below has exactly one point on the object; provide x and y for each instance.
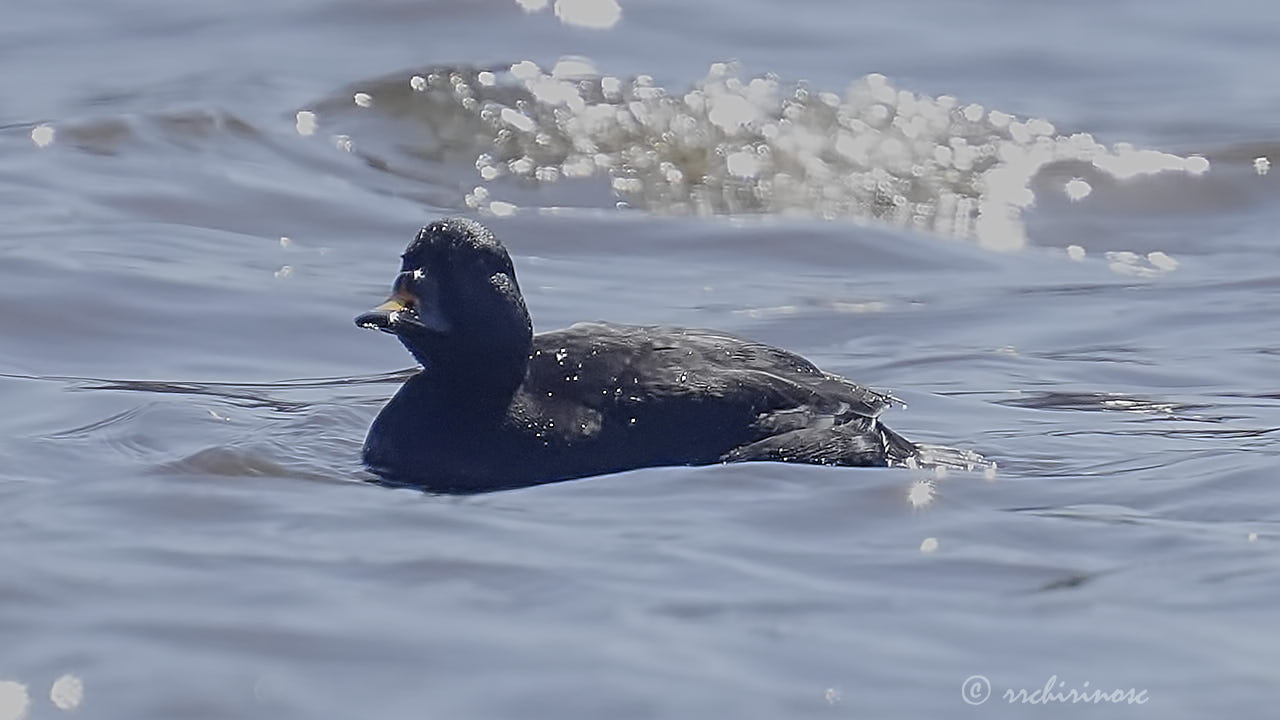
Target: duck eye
(401, 286)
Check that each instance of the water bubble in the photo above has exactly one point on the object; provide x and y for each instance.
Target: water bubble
(627, 186)
(929, 545)
(517, 120)
(1124, 262)
(364, 100)
(1075, 252)
(14, 700)
(523, 165)
(611, 87)
(743, 164)
(1077, 189)
(525, 70)
(920, 493)
(477, 198)
(577, 166)
(876, 115)
(731, 112)
(67, 692)
(1036, 126)
(305, 123)
(1161, 261)
(1261, 165)
(42, 135)
(573, 67)
(595, 14)
(502, 209)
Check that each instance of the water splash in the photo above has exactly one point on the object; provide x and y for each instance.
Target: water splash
(42, 135)
(594, 14)
(14, 700)
(731, 145)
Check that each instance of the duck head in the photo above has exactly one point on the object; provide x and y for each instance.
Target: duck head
(457, 307)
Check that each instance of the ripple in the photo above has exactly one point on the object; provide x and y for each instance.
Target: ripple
(269, 436)
(1107, 402)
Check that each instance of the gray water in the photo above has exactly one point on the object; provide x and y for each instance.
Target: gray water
(1050, 229)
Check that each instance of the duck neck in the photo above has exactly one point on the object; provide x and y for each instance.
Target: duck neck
(477, 376)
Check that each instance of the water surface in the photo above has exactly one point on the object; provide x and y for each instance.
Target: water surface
(1050, 230)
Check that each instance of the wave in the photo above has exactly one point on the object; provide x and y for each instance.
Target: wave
(734, 145)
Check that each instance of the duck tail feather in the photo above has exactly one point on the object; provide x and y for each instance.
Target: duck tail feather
(900, 452)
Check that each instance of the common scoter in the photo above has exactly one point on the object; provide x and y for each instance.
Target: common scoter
(496, 406)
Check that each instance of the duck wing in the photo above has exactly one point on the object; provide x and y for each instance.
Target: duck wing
(766, 389)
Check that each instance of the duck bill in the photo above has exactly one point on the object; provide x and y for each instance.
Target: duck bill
(389, 317)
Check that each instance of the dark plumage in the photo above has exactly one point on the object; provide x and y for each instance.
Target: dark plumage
(496, 406)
